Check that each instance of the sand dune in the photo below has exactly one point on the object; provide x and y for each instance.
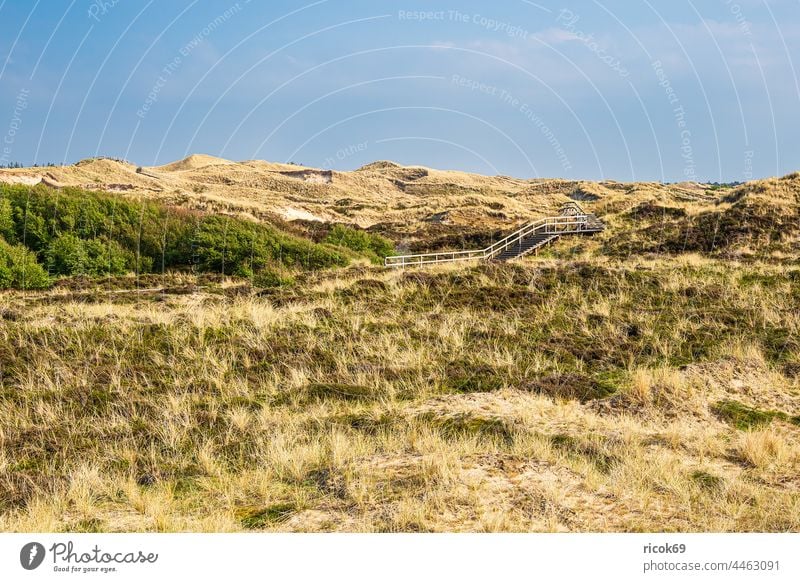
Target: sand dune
(410, 203)
(193, 162)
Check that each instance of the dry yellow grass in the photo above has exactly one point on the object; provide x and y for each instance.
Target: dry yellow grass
(764, 449)
(544, 396)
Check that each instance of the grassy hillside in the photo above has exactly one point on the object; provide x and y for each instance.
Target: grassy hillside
(643, 379)
(426, 209)
(414, 205)
(590, 395)
(760, 220)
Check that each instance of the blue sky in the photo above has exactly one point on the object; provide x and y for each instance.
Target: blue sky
(649, 90)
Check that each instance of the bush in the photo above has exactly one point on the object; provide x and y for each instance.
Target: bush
(361, 241)
(231, 246)
(19, 269)
(107, 257)
(66, 255)
(69, 255)
(7, 221)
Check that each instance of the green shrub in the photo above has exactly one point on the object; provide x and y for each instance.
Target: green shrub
(361, 241)
(107, 257)
(66, 255)
(19, 269)
(69, 255)
(7, 221)
(226, 245)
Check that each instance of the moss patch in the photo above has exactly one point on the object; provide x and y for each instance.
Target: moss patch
(369, 423)
(589, 450)
(745, 417)
(321, 391)
(707, 481)
(263, 517)
(468, 425)
(571, 387)
(465, 377)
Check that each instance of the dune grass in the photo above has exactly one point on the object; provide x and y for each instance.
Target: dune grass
(591, 395)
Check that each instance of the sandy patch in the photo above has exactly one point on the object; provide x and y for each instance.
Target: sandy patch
(299, 214)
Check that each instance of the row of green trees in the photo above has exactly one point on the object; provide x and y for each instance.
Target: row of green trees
(46, 233)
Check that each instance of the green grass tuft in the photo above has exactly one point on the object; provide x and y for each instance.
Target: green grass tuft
(744, 417)
(255, 518)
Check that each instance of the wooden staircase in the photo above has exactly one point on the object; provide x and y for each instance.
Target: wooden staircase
(572, 220)
(525, 246)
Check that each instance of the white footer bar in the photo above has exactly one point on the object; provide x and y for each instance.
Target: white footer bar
(407, 557)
